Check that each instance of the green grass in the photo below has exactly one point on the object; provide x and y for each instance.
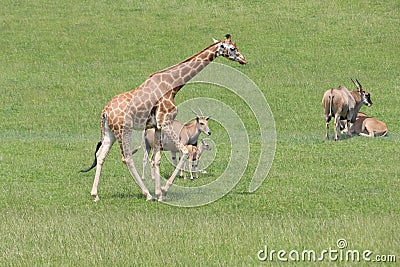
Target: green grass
(61, 61)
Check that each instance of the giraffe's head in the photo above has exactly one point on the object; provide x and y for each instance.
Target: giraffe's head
(228, 49)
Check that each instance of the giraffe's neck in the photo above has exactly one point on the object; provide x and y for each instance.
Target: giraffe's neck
(178, 75)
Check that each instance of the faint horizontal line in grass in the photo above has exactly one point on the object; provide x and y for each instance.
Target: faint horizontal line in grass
(45, 136)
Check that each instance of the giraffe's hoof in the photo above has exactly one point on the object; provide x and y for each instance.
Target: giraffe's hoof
(159, 195)
(95, 198)
(163, 191)
(148, 197)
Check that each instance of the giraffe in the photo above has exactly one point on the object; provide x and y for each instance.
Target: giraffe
(152, 105)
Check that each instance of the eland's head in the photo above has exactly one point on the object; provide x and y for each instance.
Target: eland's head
(365, 96)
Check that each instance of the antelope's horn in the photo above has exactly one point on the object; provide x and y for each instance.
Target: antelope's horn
(201, 112)
(359, 83)
(194, 112)
(356, 83)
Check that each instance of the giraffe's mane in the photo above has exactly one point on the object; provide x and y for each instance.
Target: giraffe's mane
(184, 61)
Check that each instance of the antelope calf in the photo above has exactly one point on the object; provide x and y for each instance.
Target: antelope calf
(368, 126)
(188, 135)
(195, 153)
(343, 104)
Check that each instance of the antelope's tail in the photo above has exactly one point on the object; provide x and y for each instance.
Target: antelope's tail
(136, 150)
(330, 99)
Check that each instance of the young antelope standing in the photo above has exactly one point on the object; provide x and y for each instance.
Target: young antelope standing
(195, 153)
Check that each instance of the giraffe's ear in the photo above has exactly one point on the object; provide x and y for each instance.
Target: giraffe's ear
(215, 40)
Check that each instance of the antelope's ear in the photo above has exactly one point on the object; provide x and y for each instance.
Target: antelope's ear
(215, 40)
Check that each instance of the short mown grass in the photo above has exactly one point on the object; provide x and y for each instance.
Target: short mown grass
(61, 61)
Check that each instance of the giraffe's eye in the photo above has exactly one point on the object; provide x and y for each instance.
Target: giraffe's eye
(222, 46)
(232, 48)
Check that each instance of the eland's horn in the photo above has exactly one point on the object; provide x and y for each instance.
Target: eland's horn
(359, 83)
(201, 112)
(355, 83)
(194, 112)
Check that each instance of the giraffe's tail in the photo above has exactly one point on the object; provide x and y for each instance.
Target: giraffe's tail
(95, 158)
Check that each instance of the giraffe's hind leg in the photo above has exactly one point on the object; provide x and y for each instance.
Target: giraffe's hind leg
(126, 150)
(108, 141)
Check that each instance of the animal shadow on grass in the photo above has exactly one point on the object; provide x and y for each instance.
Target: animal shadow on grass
(344, 136)
(244, 193)
(124, 195)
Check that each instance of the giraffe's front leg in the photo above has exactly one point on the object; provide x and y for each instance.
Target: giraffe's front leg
(155, 163)
(173, 136)
(185, 155)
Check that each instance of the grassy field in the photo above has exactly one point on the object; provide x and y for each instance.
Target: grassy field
(62, 61)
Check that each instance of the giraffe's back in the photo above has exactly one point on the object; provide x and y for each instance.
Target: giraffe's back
(134, 105)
